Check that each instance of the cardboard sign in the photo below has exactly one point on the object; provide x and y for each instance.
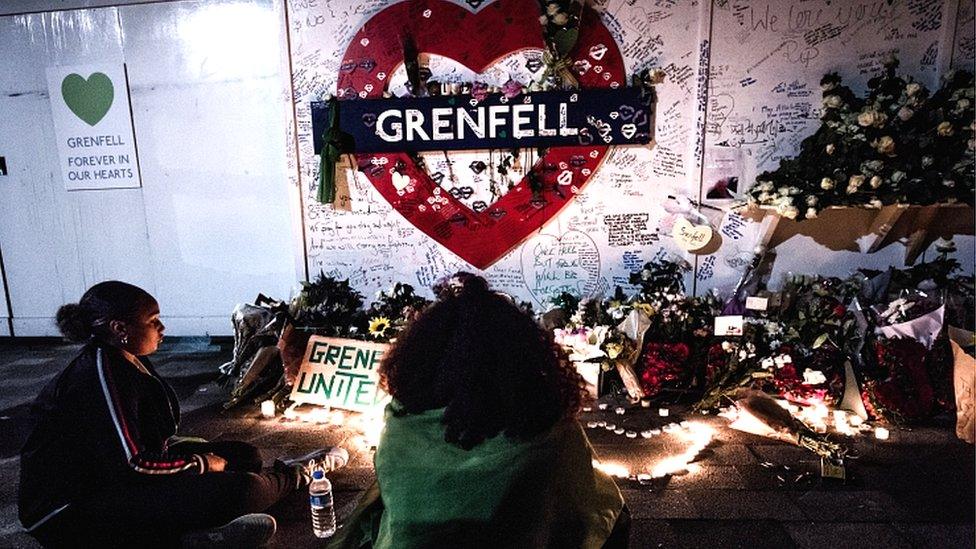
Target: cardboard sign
(607, 116)
(690, 237)
(754, 303)
(93, 126)
(730, 325)
(341, 373)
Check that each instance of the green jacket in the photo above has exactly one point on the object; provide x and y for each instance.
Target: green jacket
(503, 493)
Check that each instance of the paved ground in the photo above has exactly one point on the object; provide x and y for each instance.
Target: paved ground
(916, 490)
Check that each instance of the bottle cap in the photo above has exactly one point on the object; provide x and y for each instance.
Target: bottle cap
(318, 474)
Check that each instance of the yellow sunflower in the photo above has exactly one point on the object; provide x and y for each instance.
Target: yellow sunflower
(378, 326)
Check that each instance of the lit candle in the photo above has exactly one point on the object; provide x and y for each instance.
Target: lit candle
(620, 410)
(602, 405)
(840, 417)
(881, 433)
(591, 424)
(647, 434)
(856, 420)
(268, 409)
(631, 434)
(663, 412)
(645, 403)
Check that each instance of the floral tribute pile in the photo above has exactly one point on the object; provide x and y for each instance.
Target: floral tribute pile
(797, 349)
(658, 343)
(898, 145)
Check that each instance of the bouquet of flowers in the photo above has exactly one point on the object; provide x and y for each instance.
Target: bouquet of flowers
(392, 311)
(796, 351)
(899, 145)
(679, 329)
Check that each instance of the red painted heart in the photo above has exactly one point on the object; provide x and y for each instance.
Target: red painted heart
(476, 40)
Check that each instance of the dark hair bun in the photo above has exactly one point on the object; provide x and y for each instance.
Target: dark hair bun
(73, 323)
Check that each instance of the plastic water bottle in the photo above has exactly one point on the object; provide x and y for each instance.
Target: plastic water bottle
(320, 500)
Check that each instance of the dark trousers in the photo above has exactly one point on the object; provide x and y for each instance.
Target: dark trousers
(155, 511)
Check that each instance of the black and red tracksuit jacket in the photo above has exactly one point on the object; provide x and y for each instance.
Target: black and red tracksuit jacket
(100, 422)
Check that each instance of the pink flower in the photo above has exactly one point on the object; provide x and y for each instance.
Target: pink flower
(511, 89)
(479, 91)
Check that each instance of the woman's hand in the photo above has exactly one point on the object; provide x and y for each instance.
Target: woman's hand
(215, 463)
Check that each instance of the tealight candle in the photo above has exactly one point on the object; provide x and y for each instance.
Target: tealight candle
(619, 430)
(601, 423)
(655, 431)
(602, 405)
(645, 403)
(591, 424)
(881, 433)
(610, 426)
(619, 410)
(631, 434)
(268, 409)
(587, 409)
(663, 412)
(856, 420)
(647, 434)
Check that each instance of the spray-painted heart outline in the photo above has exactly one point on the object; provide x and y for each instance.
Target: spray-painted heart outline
(477, 41)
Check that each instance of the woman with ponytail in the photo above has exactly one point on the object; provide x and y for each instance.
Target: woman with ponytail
(482, 447)
(102, 466)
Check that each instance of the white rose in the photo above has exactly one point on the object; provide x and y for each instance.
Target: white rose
(830, 148)
(811, 213)
(898, 176)
(912, 88)
(962, 104)
(905, 113)
(826, 183)
(875, 182)
(945, 129)
(855, 181)
(872, 118)
(875, 203)
(811, 200)
(813, 377)
(765, 186)
(790, 212)
(885, 145)
(833, 102)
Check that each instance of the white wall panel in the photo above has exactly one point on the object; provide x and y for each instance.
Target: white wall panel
(208, 103)
(57, 243)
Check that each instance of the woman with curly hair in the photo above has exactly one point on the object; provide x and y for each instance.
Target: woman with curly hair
(481, 446)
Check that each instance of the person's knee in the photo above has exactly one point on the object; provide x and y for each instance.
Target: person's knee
(241, 455)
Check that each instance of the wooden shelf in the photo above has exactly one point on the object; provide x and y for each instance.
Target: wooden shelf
(867, 230)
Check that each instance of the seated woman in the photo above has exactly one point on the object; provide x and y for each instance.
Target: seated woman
(481, 446)
(102, 468)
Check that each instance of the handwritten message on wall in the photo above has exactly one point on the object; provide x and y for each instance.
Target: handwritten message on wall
(752, 89)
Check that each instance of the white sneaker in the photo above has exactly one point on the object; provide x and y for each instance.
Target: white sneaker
(247, 531)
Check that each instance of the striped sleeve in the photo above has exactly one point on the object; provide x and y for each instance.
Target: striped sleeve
(138, 458)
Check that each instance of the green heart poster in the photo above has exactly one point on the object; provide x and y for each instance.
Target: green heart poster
(93, 126)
